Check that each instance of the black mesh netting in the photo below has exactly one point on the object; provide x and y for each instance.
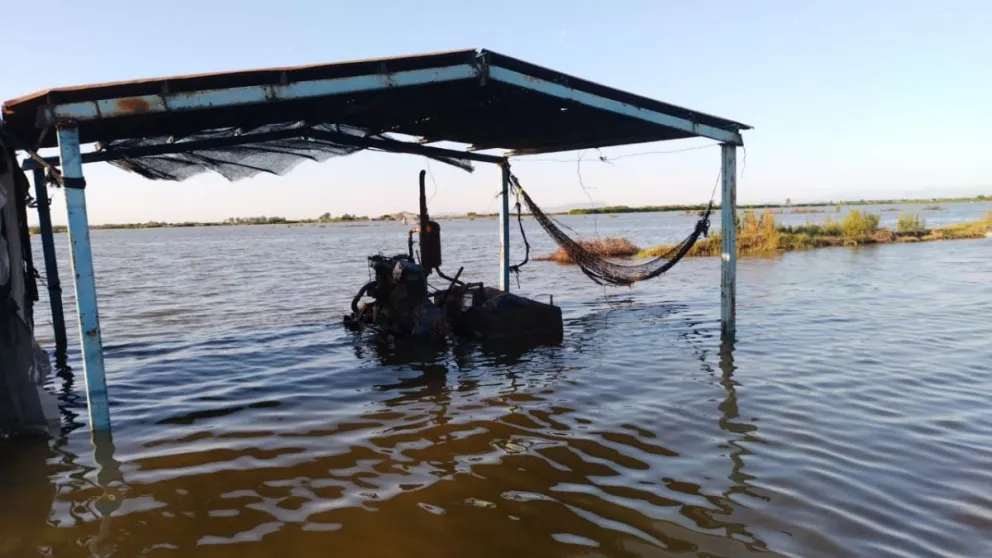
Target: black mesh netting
(279, 148)
(598, 268)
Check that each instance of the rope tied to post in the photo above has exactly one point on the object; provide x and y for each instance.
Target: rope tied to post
(515, 269)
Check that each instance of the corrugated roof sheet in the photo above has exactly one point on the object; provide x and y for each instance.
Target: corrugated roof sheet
(488, 115)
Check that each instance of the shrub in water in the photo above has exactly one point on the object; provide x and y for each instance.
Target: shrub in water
(911, 223)
(857, 224)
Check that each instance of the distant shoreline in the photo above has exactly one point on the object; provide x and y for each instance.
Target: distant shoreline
(803, 207)
(795, 206)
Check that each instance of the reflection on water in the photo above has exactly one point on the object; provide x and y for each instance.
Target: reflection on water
(440, 457)
(845, 421)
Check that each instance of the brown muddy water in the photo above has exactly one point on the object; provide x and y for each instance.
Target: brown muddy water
(851, 418)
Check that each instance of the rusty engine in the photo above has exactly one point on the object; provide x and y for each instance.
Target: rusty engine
(402, 305)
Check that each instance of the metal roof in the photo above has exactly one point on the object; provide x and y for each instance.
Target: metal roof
(475, 97)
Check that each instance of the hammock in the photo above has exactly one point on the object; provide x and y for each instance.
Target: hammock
(598, 268)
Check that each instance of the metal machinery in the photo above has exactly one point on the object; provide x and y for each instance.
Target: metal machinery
(402, 305)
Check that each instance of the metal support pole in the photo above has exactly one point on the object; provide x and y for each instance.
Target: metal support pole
(728, 216)
(504, 231)
(51, 264)
(84, 280)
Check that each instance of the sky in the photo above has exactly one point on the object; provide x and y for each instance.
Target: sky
(848, 99)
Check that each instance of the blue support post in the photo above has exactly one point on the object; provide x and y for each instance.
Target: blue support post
(728, 217)
(84, 280)
(51, 264)
(504, 230)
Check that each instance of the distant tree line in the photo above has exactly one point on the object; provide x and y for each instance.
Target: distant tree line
(263, 220)
(614, 209)
(610, 209)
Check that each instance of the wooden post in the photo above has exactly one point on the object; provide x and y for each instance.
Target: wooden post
(728, 216)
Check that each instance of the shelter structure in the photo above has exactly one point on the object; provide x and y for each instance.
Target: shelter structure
(25, 406)
(245, 122)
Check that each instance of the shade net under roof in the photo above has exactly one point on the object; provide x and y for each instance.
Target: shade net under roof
(279, 148)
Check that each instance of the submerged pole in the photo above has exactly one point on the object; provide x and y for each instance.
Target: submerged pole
(504, 230)
(83, 277)
(51, 263)
(728, 216)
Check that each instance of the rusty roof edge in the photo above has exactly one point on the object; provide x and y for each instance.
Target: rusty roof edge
(473, 53)
(480, 56)
(22, 112)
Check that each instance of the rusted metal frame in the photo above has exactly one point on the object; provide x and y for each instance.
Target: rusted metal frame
(578, 128)
(177, 147)
(590, 144)
(437, 122)
(51, 263)
(214, 143)
(251, 95)
(567, 93)
(728, 246)
(594, 129)
(393, 146)
(36, 160)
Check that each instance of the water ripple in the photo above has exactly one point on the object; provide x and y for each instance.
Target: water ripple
(850, 418)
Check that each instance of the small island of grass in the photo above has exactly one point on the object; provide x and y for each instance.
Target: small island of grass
(606, 247)
(759, 234)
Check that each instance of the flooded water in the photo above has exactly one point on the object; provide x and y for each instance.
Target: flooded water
(850, 419)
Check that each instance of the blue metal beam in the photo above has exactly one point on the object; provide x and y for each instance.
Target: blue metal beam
(728, 245)
(84, 280)
(51, 263)
(589, 99)
(236, 96)
(504, 230)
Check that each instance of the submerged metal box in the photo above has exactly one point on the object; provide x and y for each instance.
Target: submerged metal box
(490, 314)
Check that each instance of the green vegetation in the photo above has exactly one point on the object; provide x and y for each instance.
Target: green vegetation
(639, 209)
(263, 220)
(699, 209)
(930, 205)
(974, 229)
(346, 218)
(609, 247)
(758, 234)
(148, 225)
(911, 223)
(857, 224)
